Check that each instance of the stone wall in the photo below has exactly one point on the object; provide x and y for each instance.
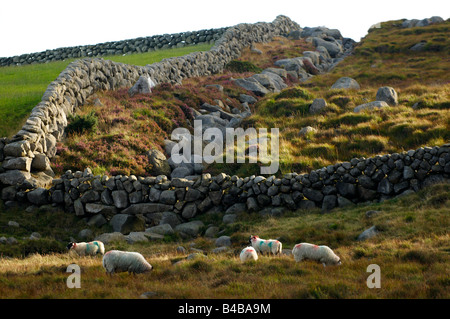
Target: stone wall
(131, 46)
(26, 156)
(100, 198)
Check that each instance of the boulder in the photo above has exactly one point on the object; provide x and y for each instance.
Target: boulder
(143, 85)
(189, 229)
(252, 85)
(317, 106)
(38, 196)
(159, 163)
(370, 106)
(388, 95)
(108, 238)
(223, 241)
(125, 223)
(368, 233)
(162, 229)
(346, 83)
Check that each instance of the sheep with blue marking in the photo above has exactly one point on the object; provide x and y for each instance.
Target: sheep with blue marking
(87, 249)
(115, 261)
(248, 254)
(322, 254)
(270, 246)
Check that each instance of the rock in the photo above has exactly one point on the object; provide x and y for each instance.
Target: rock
(333, 47)
(236, 208)
(368, 233)
(125, 223)
(223, 241)
(147, 208)
(170, 218)
(229, 218)
(305, 131)
(371, 213)
(34, 236)
(346, 83)
(419, 47)
(38, 196)
(18, 163)
(252, 85)
(12, 223)
(14, 177)
(317, 106)
(159, 163)
(329, 202)
(17, 149)
(313, 194)
(85, 234)
(94, 208)
(189, 211)
(120, 198)
(143, 85)
(108, 238)
(97, 220)
(162, 229)
(211, 232)
(191, 229)
(181, 250)
(385, 187)
(370, 106)
(244, 98)
(168, 197)
(388, 95)
(181, 172)
(136, 237)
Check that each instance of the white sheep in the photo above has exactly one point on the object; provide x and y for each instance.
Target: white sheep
(266, 245)
(248, 254)
(322, 254)
(121, 261)
(91, 248)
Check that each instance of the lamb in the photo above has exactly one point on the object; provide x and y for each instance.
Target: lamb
(266, 245)
(91, 248)
(322, 254)
(121, 261)
(248, 254)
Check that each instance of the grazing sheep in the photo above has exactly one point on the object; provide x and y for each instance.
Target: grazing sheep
(90, 248)
(121, 261)
(266, 245)
(322, 254)
(248, 254)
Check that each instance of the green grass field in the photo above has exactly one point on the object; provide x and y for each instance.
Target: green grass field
(22, 87)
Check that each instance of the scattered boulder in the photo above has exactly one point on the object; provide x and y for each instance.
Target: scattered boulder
(388, 95)
(143, 85)
(370, 106)
(317, 106)
(346, 83)
(368, 233)
(125, 223)
(159, 163)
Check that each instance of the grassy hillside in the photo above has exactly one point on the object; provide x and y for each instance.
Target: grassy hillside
(412, 250)
(412, 246)
(22, 87)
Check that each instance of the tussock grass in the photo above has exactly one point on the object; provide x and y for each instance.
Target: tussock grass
(413, 254)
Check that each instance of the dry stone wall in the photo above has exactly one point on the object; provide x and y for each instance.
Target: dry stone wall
(103, 199)
(30, 150)
(131, 46)
(26, 176)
